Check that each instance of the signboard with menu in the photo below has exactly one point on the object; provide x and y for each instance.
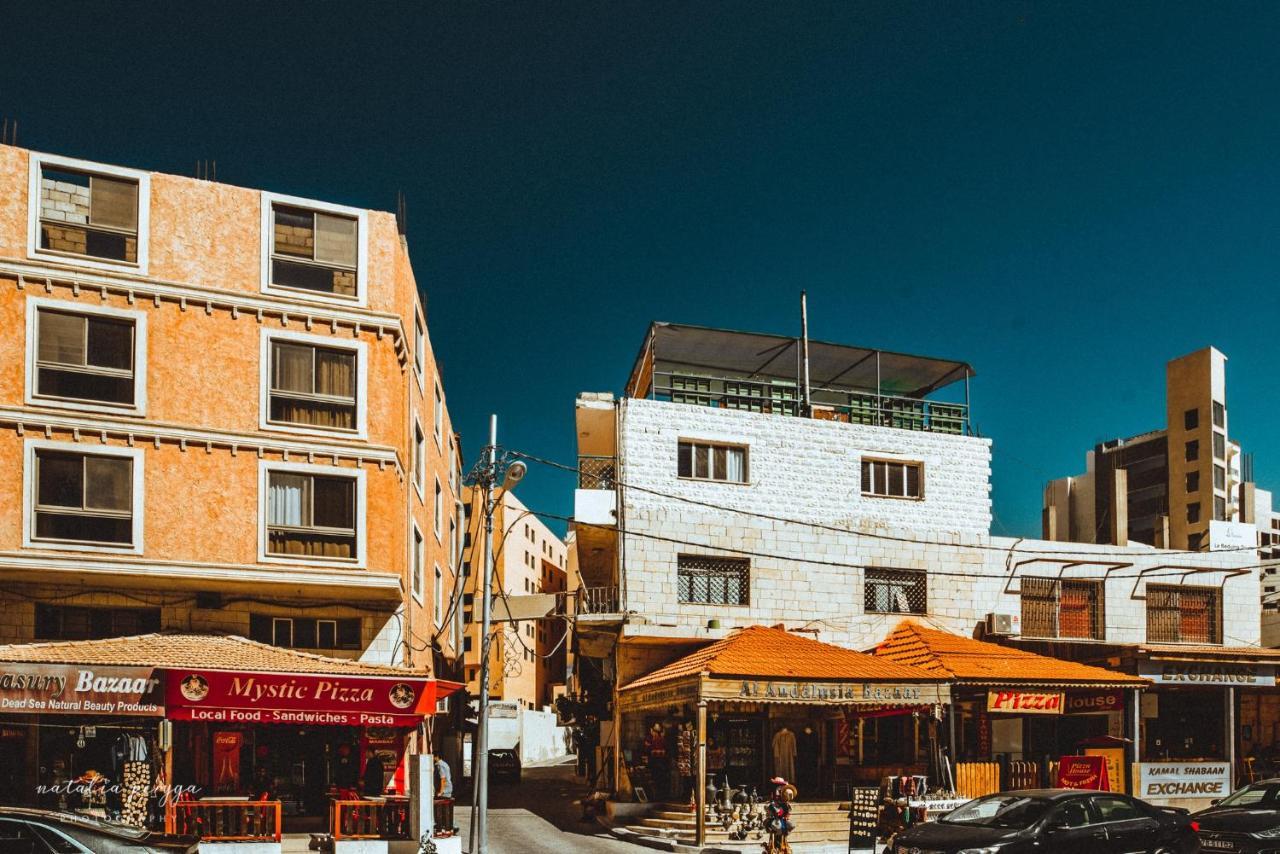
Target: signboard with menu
(1083, 772)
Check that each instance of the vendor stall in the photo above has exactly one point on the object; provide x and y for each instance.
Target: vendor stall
(743, 709)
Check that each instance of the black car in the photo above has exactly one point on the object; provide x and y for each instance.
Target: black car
(504, 765)
(1053, 821)
(30, 831)
(1247, 821)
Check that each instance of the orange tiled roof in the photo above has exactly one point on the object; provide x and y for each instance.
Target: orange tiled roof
(967, 660)
(759, 651)
(207, 652)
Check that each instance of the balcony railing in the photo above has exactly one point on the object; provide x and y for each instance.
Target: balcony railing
(778, 398)
(595, 472)
(589, 600)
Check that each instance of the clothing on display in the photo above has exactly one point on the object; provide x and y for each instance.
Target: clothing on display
(784, 754)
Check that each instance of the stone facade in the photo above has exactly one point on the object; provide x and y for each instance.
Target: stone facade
(811, 576)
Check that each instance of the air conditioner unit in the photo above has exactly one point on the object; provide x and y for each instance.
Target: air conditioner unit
(1004, 624)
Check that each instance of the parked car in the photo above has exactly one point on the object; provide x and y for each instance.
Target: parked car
(32, 831)
(1054, 821)
(504, 765)
(1245, 822)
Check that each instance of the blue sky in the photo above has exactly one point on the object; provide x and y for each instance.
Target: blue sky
(1065, 195)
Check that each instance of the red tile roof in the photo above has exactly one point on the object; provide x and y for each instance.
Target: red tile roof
(759, 651)
(209, 652)
(964, 659)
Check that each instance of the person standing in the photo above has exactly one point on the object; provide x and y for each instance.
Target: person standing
(444, 798)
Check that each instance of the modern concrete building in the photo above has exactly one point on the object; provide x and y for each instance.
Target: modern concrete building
(221, 413)
(717, 494)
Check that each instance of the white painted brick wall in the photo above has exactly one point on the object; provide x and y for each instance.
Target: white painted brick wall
(808, 470)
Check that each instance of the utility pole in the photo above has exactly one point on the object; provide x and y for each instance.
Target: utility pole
(480, 822)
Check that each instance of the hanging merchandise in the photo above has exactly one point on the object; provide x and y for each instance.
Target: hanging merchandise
(784, 754)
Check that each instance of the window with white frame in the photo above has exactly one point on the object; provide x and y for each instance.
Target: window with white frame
(419, 457)
(892, 479)
(419, 345)
(312, 384)
(419, 557)
(314, 250)
(711, 461)
(313, 515)
(87, 213)
(438, 507)
(453, 545)
(439, 417)
(82, 499)
(439, 596)
(91, 357)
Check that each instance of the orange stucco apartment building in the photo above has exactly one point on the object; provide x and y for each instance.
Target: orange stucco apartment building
(219, 413)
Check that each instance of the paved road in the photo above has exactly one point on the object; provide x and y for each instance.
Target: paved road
(539, 815)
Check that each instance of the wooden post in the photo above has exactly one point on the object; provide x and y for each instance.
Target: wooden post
(700, 775)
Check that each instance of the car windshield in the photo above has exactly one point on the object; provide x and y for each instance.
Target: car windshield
(1257, 795)
(999, 811)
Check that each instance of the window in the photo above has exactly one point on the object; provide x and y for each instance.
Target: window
(1193, 512)
(84, 500)
(438, 426)
(1219, 415)
(66, 622)
(1219, 446)
(1193, 450)
(313, 512)
(453, 546)
(466, 643)
(891, 479)
(713, 580)
(439, 511)
(312, 383)
(1062, 608)
(314, 251)
(1191, 419)
(895, 591)
(709, 461)
(419, 346)
(419, 558)
(97, 213)
(306, 632)
(439, 610)
(1194, 541)
(1193, 481)
(1219, 477)
(419, 457)
(1183, 614)
(82, 357)
(1117, 809)
(1219, 508)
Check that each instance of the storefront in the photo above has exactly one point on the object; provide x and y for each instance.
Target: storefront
(1014, 713)
(217, 717)
(766, 702)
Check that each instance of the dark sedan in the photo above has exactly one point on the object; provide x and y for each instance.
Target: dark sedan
(1053, 821)
(29, 831)
(1246, 822)
(504, 766)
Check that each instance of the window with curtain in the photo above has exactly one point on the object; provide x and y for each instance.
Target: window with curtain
(82, 213)
(313, 386)
(711, 461)
(314, 251)
(84, 357)
(83, 498)
(310, 515)
(892, 479)
(895, 591)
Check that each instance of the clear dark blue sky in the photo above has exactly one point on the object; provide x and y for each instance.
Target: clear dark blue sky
(1066, 195)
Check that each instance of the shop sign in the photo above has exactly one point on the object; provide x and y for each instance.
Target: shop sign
(1025, 702)
(833, 693)
(70, 689)
(1083, 772)
(230, 697)
(1165, 780)
(662, 695)
(1094, 702)
(1208, 672)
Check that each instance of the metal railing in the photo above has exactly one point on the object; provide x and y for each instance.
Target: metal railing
(364, 819)
(827, 404)
(597, 600)
(225, 821)
(596, 472)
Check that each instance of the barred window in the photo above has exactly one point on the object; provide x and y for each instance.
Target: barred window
(895, 591)
(1062, 608)
(890, 479)
(709, 461)
(1183, 614)
(714, 580)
